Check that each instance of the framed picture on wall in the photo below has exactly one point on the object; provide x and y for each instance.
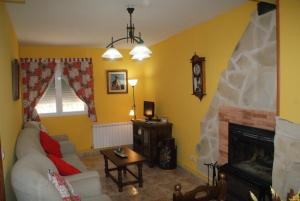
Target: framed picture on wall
(15, 69)
(117, 81)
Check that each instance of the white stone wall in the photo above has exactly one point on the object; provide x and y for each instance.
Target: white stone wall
(249, 82)
(286, 166)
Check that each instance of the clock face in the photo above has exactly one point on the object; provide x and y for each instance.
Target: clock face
(196, 70)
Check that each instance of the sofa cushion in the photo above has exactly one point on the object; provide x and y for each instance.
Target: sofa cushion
(75, 161)
(35, 124)
(29, 175)
(86, 184)
(28, 142)
(63, 167)
(66, 147)
(64, 188)
(32, 124)
(60, 137)
(50, 145)
(29, 179)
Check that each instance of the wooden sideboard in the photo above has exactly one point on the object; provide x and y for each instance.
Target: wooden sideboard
(146, 138)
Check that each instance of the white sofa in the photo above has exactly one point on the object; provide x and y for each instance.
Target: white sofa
(29, 176)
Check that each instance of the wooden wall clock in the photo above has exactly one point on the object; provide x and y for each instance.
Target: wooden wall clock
(198, 76)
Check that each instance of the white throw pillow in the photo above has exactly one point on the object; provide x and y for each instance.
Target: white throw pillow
(64, 188)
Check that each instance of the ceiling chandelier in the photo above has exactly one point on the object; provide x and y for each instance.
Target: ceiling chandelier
(139, 52)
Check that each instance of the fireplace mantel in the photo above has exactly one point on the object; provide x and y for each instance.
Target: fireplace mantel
(253, 118)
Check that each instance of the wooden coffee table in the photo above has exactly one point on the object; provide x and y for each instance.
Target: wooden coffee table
(121, 166)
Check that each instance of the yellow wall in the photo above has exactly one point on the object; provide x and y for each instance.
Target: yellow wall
(10, 118)
(289, 11)
(109, 108)
(165, 78)
(171, 74)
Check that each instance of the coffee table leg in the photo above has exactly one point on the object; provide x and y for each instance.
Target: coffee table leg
(120, 182)
(124, 171)
(106, 166)
(140, 174)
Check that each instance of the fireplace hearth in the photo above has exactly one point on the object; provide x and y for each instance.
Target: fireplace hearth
(250, 162)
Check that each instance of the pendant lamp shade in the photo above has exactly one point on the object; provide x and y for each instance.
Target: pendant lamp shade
(140, 49)
(112, 53)
(140, 56)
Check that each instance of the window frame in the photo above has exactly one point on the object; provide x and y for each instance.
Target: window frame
(57, 78)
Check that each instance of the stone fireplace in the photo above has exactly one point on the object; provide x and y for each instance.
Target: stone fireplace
(249, 82)
(246, 96)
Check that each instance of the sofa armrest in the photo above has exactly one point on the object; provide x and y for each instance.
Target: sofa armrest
(67, 147)
(61, 137)
(86, 184)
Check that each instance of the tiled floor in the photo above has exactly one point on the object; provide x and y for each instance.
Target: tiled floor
(158, 184)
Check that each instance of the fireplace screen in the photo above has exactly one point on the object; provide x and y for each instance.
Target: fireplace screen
(251, 150)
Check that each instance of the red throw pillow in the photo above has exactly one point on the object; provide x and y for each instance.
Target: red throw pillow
(64, 168)
(50, 145)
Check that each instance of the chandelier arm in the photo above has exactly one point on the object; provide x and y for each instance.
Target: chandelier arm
(115, 41)
(138, 39)
(135, 38)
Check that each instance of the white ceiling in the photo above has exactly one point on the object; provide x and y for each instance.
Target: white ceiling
(93, 22)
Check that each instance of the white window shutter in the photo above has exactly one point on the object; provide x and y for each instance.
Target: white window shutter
(70, 101)
(60, 98)
(47, 104)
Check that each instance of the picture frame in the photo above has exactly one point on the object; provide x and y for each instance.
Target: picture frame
(198, 76)
(117, 81)
(15, 69)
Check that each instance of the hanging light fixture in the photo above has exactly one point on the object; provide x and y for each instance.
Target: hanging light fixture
(112, 53)
(140, 57)
(139, 52)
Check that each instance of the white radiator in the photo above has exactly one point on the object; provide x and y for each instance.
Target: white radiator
(113, 134)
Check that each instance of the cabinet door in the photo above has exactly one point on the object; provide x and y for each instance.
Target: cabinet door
(138, 139)
(164, 132)
(146, 138)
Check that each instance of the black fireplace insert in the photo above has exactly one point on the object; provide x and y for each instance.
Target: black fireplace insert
(250, 161)
(251, 150)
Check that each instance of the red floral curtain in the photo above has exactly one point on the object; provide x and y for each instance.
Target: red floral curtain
(79, 73)
(36, 76)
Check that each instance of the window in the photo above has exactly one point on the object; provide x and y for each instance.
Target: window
(59, 98)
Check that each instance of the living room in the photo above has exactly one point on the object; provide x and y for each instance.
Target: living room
(165, 78)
